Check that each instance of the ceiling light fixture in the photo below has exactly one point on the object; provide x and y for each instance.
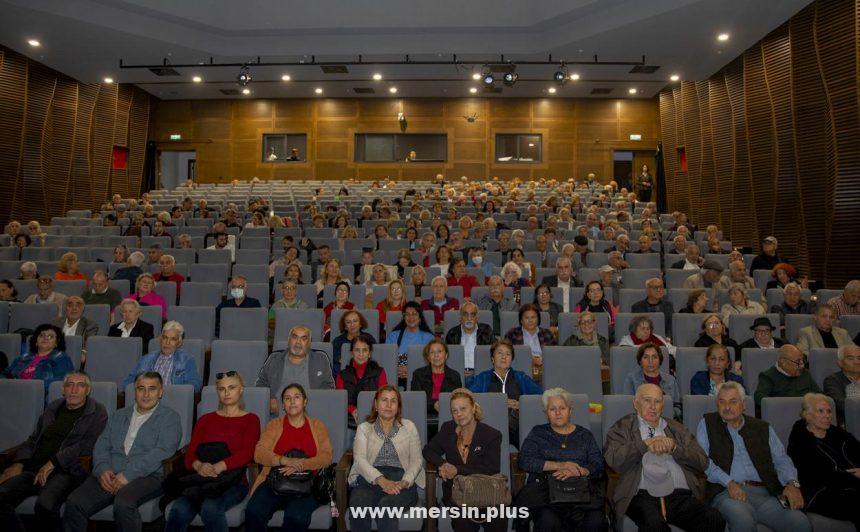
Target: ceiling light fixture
(551, 90)
(108, 80)
(473, 90)
(196, 79)
(510, 78)
(392, 90)
(318, 90)
(561, 75)
(723, 37)
(377, 76)
(34, 43)
(632, 90)
(476, 76)
(246, 91)
(286, 77)
(574, 77)
(675, 77)
(244, 76)
(489, 79)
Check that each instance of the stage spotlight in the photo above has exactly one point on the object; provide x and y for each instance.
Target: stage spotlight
(244, 76)
(510, 78)
(489, 79)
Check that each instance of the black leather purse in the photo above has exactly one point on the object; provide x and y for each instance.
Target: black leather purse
(572, 490)
(295, 484)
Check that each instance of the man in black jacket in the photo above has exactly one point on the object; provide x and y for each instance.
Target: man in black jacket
(48, 465)
(656, 301)
(470, 334)
(768, 258)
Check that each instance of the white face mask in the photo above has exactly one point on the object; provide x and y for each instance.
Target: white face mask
(477, 260)
(237, 293)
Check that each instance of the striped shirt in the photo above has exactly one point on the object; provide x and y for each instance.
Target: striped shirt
(387, 453)
(164, 367)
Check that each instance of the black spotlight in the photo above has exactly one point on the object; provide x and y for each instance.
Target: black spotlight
(510, 78)
(560, 76)
(489, 79)
(244, 76)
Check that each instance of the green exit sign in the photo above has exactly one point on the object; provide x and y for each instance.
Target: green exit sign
(176, 136)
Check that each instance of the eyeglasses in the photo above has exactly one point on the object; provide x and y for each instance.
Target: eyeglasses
(231, 373)
(795, 362)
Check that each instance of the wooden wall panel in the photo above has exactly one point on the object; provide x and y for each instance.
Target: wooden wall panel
(57, 137)
(773, 142)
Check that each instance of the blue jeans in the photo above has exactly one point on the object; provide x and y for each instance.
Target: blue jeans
(265, 502)
(760, 507)
(211, 511)
(369, 495)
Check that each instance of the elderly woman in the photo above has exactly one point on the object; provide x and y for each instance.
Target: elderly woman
(132, 326)
(555, 452)
(418, 279)
(719, 361)
(529, 333)
(35, 231)
(436, 377)
(697, 301)
(184, 241)
(387, 464)
(45, 358)
(739, 304)
(120, 255)
(649, 357)
(28, 270)
(292, 444)
(459, 277)
(527, 268)
(512, 276)
(465, 446)
(341, 301)
(412, 330)
(544, 303)
(145, 295)
(360, 375)
(498, 379)
(352, 324)
(594, 300)
(68, 269)
(586, 335)
(380, 275)
(714, 332)
(394, 301)
(222, 445)
(641, 331)
(827, 459)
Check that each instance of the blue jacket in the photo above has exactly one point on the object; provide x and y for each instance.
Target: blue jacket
(157, 440)
(51, 369)
(480, 383)
(184, 369)
(700, 384)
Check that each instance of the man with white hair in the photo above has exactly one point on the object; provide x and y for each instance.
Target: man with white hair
(167, 272)
(131, 272)
(470, 334)
(737, 274)
(496, 301)
(174, 364)
(845, 382)
(100, 292)
(660, 465)
(439, 302)
(564, 278)
(693, 259)
(29, 270)
(750, 478)
(46, 294)
(74, 323)
(848, 302)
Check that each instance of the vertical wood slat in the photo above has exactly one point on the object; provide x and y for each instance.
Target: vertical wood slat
(12, 70)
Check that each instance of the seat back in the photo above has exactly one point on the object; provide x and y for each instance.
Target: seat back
(414, 409)
(793, 324)
(200, 294)
(99, 314)
(103, 392)
(822, 364)
(111, 359)
(256, 401)
(783, 412)
(696, 406)
(199, 322)
(686, 328)
(629, 296)
(852, 416)
(23, 402)
(286, 319)
(244, 324)
(532, 413)
(31, 315)
(495, 414)
(10, 343)
(754, 362)
(246, 357)
(573, 368)
(329, 406)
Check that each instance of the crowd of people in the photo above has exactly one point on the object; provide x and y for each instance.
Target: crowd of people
(732, 470)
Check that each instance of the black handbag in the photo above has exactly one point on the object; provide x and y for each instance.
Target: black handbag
(294, 484)
(571, 490)
(323, 485)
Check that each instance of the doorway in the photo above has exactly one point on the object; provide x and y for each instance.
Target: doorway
(175, 167)
(627, 164)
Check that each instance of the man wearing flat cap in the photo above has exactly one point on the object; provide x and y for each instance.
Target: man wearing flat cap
(709, 279)
(768, 257)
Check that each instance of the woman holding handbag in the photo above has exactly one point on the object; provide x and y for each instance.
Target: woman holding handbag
(291, 450)
(465, 446)
(222, 445)
(387, 466)
(565, 466)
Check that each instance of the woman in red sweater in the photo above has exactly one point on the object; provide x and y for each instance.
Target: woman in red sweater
(240, 430)
(459, 277)
(361, 374)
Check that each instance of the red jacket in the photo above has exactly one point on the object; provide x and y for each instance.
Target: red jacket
(439, 312)
(467, 282)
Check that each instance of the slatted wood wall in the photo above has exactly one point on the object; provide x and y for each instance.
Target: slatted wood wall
(57, 137)
(773, 143)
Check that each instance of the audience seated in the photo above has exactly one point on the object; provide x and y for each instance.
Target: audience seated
(744, 475)
(787, 378)
(719, 361)
(145, 295)
(341, 301)
(768, 258)
(708, 278)
(784, 273)
(469, 334)
(737, 275)
(100, 293)
(460, 278)
(739, 303)
(173, 364)
(28, 270)
(693, 259)
(697, 302)
(515, 277)
(8, 292)
(131, 324)
(167, 272)
(238, 299)
(496, 301)
(223, 242)
(68, 269)
(412, 330)
(362, 373)
(594, 301)
(544, 303)
(826, 458)
(656, 301)
(586, 335)
(436, 377)
(439, 302)
(649, 357)
(45, 294)
(763, 337)
(822, 333)
(127, 459)
(387, 467)
(45, 358)
(845, 382)
(791, 304)
(641, 331)
(75, 323)
(529, 333)
(660, 466)
(847, 303)
(50, 463)
(394, 301)
(132, 271)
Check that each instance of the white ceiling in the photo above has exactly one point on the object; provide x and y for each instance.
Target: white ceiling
(86, 39)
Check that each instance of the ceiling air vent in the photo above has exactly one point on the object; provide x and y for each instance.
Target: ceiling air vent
(364, 90)
(230, 92)
(644, 69)
(164, 71)
(602, 91)
(334, 69)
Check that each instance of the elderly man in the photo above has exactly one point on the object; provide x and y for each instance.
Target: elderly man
(45, 294)
(656, 301)
(679, 245)
(791, 303)
(470, 333)
(845, 382)
(131, 325)
(768, 257)
(439, 302)
(644, 244)
(28, 270)
(822, 333)
(787, 378)
(174, 364)
(693, 259)
(238, 299)
(298, 363)
(763, 337)
(748, 468)
(100, 292)
(660, 465)
(48, 465)
(75, 323)
(737, 274)
(167, 266)
(564, 278)
(708, 278)
(847, 303)
(496, 301)
(622, 245)
(222, 242)
(134, 269)
(127, 458)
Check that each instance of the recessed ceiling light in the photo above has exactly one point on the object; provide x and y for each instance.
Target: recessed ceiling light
(108, 80)
(675, 77)
(392, 90)
(574, 77)
(473, 90)
(723, 37)
(318, 90)
(196, 79)
(551, 90)
(286, 77)
(34, 43)
(377, 76)
(632, 90)
(476, 76)
(246, 91)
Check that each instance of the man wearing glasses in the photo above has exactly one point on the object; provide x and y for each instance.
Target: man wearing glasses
(787, 378)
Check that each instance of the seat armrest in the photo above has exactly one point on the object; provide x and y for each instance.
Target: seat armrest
(341, 472)
(431, 475)
(518, 476)
(174, 462)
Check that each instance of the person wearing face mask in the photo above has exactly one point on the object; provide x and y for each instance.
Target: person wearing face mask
(238, 299)
(477, 260)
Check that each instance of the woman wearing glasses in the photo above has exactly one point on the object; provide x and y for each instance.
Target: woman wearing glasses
(222, 445)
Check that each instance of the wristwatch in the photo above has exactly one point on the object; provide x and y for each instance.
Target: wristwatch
(794, 483)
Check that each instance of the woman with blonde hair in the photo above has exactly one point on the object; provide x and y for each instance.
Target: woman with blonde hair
(68, 269)
(145, 295)
(330, 275)
(394, 301)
